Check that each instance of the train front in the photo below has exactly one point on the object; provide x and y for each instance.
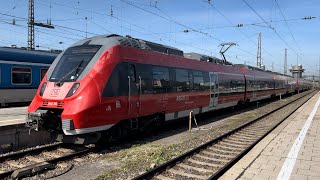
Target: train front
(68, 95)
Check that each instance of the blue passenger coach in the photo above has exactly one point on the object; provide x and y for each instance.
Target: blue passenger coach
(21, 72)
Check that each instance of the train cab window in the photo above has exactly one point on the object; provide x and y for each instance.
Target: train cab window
(161, 79)
(21, 75)
(43, 72)
(182, 80)
(73, 62)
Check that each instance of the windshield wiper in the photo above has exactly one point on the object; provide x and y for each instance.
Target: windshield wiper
(78, 67)
(74, 69)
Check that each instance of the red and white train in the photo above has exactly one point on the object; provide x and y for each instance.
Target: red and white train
(113, 84)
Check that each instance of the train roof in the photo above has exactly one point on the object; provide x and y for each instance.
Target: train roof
(23, 55)
(114, 39)
(260, 70)
(206, 58)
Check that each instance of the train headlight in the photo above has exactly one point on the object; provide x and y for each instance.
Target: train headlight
(43, 87)
(73, 89)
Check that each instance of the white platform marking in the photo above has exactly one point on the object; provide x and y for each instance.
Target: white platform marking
(288, 165)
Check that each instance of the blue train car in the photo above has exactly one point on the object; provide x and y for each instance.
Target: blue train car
(21, 72)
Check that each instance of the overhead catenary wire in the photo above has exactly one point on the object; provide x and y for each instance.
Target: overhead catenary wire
(273, 29)
(182, 25)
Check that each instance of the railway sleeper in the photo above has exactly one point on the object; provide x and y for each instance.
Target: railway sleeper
(242, 138)
(225, 156)
(50, 154)
(228, 148)
(162, 177)
(34, 159)
(254, 130)
(222, 152)
(15, 164)
(203, 163)
(245, 135)
(235, 142)
(65, 150)
(203, 170)
(30, 170)
(251, 134)
(220, 161)
(232, 144)
(181, 173)
(191, 170)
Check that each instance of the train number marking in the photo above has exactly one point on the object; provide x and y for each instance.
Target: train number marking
(52, 103)
(54, 92)
(182, 98)
(108, 108)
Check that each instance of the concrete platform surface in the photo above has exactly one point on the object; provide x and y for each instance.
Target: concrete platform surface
(291, 151)
(12, 116)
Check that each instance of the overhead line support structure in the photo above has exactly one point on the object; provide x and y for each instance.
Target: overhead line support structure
(31, 25)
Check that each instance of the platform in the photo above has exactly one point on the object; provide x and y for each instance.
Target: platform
(13, 116)
(13, 133)
(291, 151)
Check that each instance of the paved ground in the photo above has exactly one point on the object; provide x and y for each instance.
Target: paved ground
(291, 151)
(9, 116)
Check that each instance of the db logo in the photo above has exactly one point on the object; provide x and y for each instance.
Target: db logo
(54, 92)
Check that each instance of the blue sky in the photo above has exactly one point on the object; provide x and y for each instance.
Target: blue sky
(164, 21)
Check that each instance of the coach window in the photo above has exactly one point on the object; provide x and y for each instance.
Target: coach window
(161, 79)
(21, 75)
(182, 80)
(198, 83)
(43, 72)
(173, 86)
(206, 81)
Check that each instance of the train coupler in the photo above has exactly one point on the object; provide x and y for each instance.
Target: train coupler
(35, 120)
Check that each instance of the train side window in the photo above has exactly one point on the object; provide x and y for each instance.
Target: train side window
(198, 82)
(21, 75)
(132, 73)
(173, 86)
(43, 72)
(161, 79)
(224, 84)
(117, 85)
(182, 79)
(0, 74)
(206, 81)
(190, 74)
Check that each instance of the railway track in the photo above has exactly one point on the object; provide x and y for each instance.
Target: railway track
(29, 162)
(212, 159)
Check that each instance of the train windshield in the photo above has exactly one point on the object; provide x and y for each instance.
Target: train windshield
(73, 62)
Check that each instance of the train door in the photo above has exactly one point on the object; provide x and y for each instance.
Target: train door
(213, 89)
(250, 89)
(134, 91)
(254, 88)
